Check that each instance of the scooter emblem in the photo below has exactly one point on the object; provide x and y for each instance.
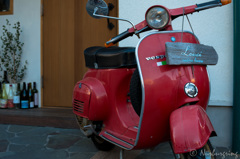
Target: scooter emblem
(155, 57)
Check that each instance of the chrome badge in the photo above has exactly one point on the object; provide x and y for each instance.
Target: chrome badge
(155, 57)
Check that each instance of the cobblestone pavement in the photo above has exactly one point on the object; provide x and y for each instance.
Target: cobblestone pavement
(28, 142)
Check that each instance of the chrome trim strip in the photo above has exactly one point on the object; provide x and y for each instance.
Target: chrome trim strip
(118, 139)
(140, 72)
(142, 85)
(114, 143)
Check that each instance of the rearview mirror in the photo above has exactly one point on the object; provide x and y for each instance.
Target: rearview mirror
(98, 7)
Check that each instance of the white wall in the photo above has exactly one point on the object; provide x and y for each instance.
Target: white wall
(221, 118)
(213, 27)
(27, 12)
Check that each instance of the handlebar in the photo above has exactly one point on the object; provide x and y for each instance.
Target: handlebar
(174, 13)
(141, 27)
(195, 8)
(118, 38)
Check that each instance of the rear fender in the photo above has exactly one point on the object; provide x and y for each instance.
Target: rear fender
(190, 129)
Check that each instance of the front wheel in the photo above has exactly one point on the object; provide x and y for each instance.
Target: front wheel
(206, 152)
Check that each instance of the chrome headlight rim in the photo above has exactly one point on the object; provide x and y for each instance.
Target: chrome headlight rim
(191, 90)
(163, 9)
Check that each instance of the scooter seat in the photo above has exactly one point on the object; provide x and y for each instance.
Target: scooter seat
(113, 57)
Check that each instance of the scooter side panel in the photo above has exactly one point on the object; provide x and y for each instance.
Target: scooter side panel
(90, 99)
(120, 121)
(161, 85)
(190, 129)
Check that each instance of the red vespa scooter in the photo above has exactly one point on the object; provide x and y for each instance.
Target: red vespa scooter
(136, 98)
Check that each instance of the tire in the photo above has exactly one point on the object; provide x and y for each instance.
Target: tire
(205, 152)
(101, 144)
(136, 92)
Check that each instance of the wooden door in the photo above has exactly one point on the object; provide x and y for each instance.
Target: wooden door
(67, 30)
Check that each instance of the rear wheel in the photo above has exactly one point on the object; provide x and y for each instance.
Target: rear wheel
(205, 152)
(92, 129)
(101, 144)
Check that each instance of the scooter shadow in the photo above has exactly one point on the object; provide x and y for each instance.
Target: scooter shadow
(162, 151)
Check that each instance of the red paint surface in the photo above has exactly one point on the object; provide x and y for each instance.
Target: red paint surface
(190, 129)
(104, 93)
(164, 87)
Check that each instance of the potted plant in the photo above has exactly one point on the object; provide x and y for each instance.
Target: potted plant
(11, 52)
(1, 77)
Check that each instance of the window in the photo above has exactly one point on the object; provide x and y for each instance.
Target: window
(6, 7)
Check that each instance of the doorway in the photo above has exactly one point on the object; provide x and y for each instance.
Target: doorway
(67, 30)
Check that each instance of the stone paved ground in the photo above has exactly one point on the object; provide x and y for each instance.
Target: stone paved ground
(28, 142)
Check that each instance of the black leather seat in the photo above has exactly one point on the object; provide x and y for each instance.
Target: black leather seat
(114, 57)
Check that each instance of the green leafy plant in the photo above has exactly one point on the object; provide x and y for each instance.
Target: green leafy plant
(1, 77)
(11, 52)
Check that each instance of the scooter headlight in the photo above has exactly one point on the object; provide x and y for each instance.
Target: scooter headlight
(191, 90)
(157, 17)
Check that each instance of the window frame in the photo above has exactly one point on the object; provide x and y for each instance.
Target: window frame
(10, 11)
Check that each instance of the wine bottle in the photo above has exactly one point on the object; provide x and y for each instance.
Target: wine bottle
(35, 95)
(3, 103)
(24, 97)
(30, 96)
(1, 91)
(5, 78)
(16, 97)
(10, 97)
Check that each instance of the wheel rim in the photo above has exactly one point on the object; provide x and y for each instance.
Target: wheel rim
(208, 152)
(203, 153)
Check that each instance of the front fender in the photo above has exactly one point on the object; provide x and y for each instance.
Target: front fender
(190, 129)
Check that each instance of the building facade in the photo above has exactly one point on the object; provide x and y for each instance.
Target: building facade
(213, 27)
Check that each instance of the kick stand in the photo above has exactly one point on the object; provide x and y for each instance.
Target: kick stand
(121, 153)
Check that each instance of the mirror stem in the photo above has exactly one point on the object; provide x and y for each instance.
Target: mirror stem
(103, 16)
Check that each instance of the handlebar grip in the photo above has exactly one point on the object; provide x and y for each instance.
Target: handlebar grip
(118, 38)
(208, 5)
